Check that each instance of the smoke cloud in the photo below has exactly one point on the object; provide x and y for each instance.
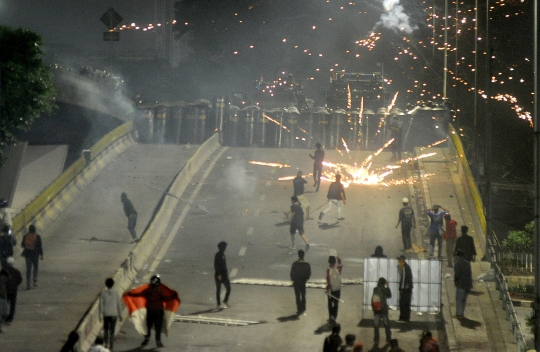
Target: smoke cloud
(395, 17)
(238, 181)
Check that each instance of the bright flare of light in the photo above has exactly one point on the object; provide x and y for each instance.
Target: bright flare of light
(269, 164)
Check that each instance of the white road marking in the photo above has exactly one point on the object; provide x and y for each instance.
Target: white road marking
(262, 197)
(250, 231)
(242, 251)
(233, 273)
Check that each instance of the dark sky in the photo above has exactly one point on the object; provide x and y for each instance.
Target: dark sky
(72, 22)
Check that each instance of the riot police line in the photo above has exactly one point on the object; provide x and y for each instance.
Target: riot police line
(255, 126)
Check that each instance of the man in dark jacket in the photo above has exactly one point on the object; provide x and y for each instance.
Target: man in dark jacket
(336, 195)
(333, 341)
(32, 252)
(405, 289)
(298, 185)
(380, 311)
(131, 214)
(300, 274)
(221, 275)
(463, 282)
(12, 284)
(465, 244)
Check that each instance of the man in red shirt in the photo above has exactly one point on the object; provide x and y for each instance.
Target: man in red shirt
(450, 236)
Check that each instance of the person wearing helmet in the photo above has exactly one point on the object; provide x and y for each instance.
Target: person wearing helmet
(156, 295)
(5, 215)
(318, 159)
(408, 222)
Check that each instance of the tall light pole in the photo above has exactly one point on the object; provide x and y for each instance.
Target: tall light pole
(536, 186)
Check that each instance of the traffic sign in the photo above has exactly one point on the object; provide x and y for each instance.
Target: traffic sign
(111, 18)
(111, 36)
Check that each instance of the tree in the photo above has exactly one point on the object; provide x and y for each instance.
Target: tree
(26, 84)
(521, 241)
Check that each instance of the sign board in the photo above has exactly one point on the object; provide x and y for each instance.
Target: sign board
(111, 18)
(111, 36)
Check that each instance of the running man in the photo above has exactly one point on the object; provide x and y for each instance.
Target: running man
(336, 195)
(297, 222)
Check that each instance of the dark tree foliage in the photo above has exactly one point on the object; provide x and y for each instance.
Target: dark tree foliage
(27, 88)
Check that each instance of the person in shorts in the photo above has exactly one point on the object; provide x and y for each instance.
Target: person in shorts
(298, 184)
(297, 221)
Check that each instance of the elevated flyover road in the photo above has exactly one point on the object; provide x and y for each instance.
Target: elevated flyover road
(246, 203)
(86, 244)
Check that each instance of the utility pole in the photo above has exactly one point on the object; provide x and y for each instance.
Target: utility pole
(536, 187)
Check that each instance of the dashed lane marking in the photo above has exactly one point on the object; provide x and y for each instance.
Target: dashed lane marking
(233, 273)
(242, 251)
(250, 231)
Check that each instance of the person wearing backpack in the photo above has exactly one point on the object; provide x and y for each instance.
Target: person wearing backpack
(436, 229)
(32, 252)
(336, 195)
(380, 309)
(333, 286)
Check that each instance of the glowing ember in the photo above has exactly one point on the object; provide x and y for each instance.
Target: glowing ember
(269, 164)
(435, 143)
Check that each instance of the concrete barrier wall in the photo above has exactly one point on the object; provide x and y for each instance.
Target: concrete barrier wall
(59, 194)
(466, 176)
(140, 258)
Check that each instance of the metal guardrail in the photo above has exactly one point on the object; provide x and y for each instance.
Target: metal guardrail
(500, 281)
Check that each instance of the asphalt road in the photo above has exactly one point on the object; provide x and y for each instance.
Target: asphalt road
(246, 204)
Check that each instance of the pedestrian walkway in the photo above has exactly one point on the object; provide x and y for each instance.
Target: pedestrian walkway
(484, 327)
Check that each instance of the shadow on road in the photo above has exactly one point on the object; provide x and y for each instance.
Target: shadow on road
(326, 226)
(95, 239)
(284, 223)
(469, 324)
(288, 318)
(213, 310)
(324, 328)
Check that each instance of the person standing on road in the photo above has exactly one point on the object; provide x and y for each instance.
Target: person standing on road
(12, 285)
(396, 128)
(465, 243)
(221, 275)
(450, 236)
(333, 286)
(32, 252)
(405, 289)
(333, 341)
(408, 221)
(297, 222)
(298, 184)
(110, 309)
(156, 298)
(380, 309)
(336, 195)
(463, 282)
(318, 159)
(436, 229)
(131, 214)
(6, 246)
(300, 274)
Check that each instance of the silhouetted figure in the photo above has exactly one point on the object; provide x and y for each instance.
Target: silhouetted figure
(131, 214)
(318, 159)
(378, 253)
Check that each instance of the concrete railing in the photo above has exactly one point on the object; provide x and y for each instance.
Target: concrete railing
(141, 256)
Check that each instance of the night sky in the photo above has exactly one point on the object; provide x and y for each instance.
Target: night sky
(228, 44)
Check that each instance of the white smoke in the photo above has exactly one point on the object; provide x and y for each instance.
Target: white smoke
(238, 181)
(395, 17)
